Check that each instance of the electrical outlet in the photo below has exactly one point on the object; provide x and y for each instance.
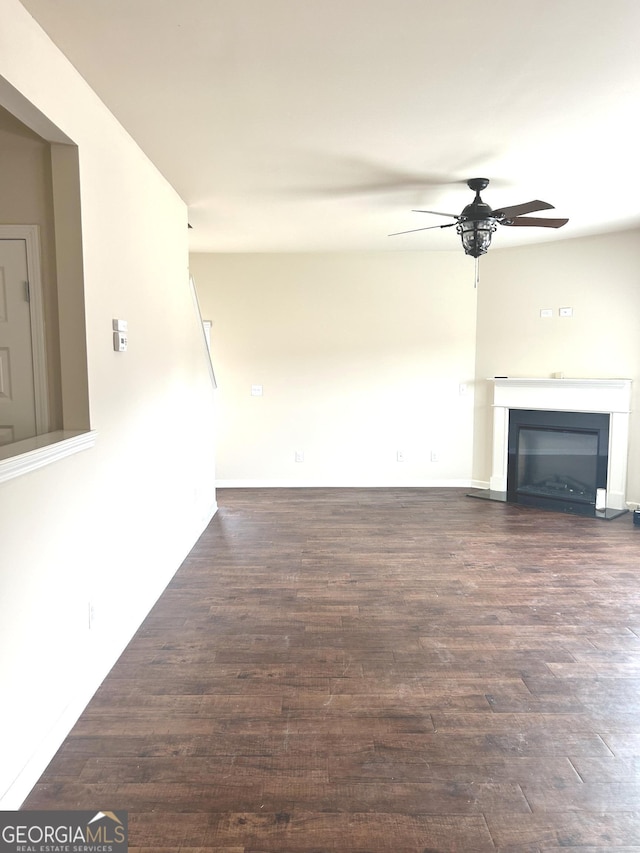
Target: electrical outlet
(400, 456)
(92, 615)
(435, 456)
(299, 455)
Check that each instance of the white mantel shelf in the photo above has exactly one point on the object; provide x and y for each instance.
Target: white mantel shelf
(569, 395)
(612, 396)
(551, 381)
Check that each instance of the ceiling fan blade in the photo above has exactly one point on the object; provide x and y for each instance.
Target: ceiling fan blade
(428, 228)
(436, 213)
(536, 220)
(517, 209)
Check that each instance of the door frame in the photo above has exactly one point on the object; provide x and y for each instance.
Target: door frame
(31, 236)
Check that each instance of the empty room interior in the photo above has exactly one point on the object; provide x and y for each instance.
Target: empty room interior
(319, 432)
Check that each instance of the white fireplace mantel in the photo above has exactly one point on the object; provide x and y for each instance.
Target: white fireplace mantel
(612, 396)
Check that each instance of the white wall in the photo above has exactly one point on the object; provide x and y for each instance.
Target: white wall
(599, 277)
(109, 525)
(359, 355)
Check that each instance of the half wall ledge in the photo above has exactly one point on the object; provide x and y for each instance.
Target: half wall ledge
(28, 455)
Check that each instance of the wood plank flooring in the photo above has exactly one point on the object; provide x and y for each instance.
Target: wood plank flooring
(367, 671)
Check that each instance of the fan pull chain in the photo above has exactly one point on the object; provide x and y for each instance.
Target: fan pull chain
(477, 276)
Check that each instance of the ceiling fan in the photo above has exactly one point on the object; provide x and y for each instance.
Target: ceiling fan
(478, 221)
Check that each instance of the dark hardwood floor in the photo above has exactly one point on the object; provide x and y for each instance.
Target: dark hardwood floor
(406, 670)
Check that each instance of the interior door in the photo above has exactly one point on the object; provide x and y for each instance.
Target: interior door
(17, 389)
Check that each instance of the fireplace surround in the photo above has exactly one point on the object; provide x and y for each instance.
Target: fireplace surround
(595, 410)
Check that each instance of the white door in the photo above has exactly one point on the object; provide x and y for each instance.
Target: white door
(17, 390)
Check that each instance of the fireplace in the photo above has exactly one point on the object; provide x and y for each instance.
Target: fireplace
(582, 418)
(558, 460)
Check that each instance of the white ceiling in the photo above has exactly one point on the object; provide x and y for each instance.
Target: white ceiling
(304, 125)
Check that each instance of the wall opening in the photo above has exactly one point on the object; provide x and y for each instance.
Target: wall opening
(40, 196)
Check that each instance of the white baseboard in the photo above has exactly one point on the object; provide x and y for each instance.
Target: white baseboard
(479, 484)
(616, 500)
(359, 484)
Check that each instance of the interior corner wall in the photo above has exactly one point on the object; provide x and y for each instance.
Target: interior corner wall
(599, 278)
(359, 356)
(109, 526)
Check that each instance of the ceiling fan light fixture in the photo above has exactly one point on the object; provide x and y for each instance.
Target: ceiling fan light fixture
(476, 235)
(478, 221)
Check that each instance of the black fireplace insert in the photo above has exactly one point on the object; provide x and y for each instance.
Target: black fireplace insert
(557, 460)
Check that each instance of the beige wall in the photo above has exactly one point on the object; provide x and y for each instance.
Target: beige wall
(599, 277)
(109, 525)
(359, 355)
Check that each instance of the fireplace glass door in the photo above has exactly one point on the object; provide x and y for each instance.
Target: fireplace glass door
(557, 457)
(558, 464)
